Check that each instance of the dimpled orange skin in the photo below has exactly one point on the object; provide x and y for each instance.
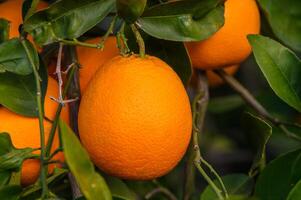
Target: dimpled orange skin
(229, 45)
(24, 132)
(11, 10)
(214, 80)
(91, 59)
(135, 118)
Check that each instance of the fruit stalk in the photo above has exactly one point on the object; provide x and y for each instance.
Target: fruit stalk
(43, 173)
(139, 40)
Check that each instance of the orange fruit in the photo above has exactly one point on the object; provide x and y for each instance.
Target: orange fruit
(214, 80)
(229, 45)
(24, 132)
(11, 10)
(91, 59)
(135, 118)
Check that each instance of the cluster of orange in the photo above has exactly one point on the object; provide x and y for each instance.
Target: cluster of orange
(135, 116)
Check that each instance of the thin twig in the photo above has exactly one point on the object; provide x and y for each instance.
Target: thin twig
(199, 108)
(43, 173)
(139, 40)
(251, 100)
(109, 31)
(122, 41)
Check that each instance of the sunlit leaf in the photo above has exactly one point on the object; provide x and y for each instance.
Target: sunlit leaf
(66, 19)
(281, 67)
(192, 20)
(91, 183)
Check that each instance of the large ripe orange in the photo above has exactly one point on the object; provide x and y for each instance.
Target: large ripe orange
(229, 46)
(11, 10)
(214, 80)
(24, 131)
(91, 59)
(135, 118)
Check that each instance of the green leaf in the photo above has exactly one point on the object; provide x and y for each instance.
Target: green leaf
(4, 30)
(11, 192)
(4, 177)
(31, 191)
(279, 177)
(92, 185)
(281, 67)
(119, 189)
(295, 193)
(284, 17)
(11, 158)
(258, 134)
(130, 10)
(191, 20)
(18, 92)
(236, 184)
(66, 19)
(13, 57)
(218, 105)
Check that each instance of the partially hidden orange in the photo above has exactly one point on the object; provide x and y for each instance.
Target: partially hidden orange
(24, 132)
(91, 59)
(135, 118)
(229, 45)
(214, 80)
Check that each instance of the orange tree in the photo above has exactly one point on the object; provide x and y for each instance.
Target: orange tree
(135, 77)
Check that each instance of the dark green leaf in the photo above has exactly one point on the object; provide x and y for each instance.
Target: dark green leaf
(278, 178)
(13, 57)
(67, 19)
(11, 158)
(284, 17)
(258, 134)
(295, 193)
(236, 184)
(35, 189)
(18, 92)
(281, 67)
(4, 177)
(119, 189)
(224, 104)
(91, 183)
(11, 192)
(130, 10)
(192, 20)
(4, 30)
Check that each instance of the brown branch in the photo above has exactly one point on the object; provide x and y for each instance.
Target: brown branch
(251, 100)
